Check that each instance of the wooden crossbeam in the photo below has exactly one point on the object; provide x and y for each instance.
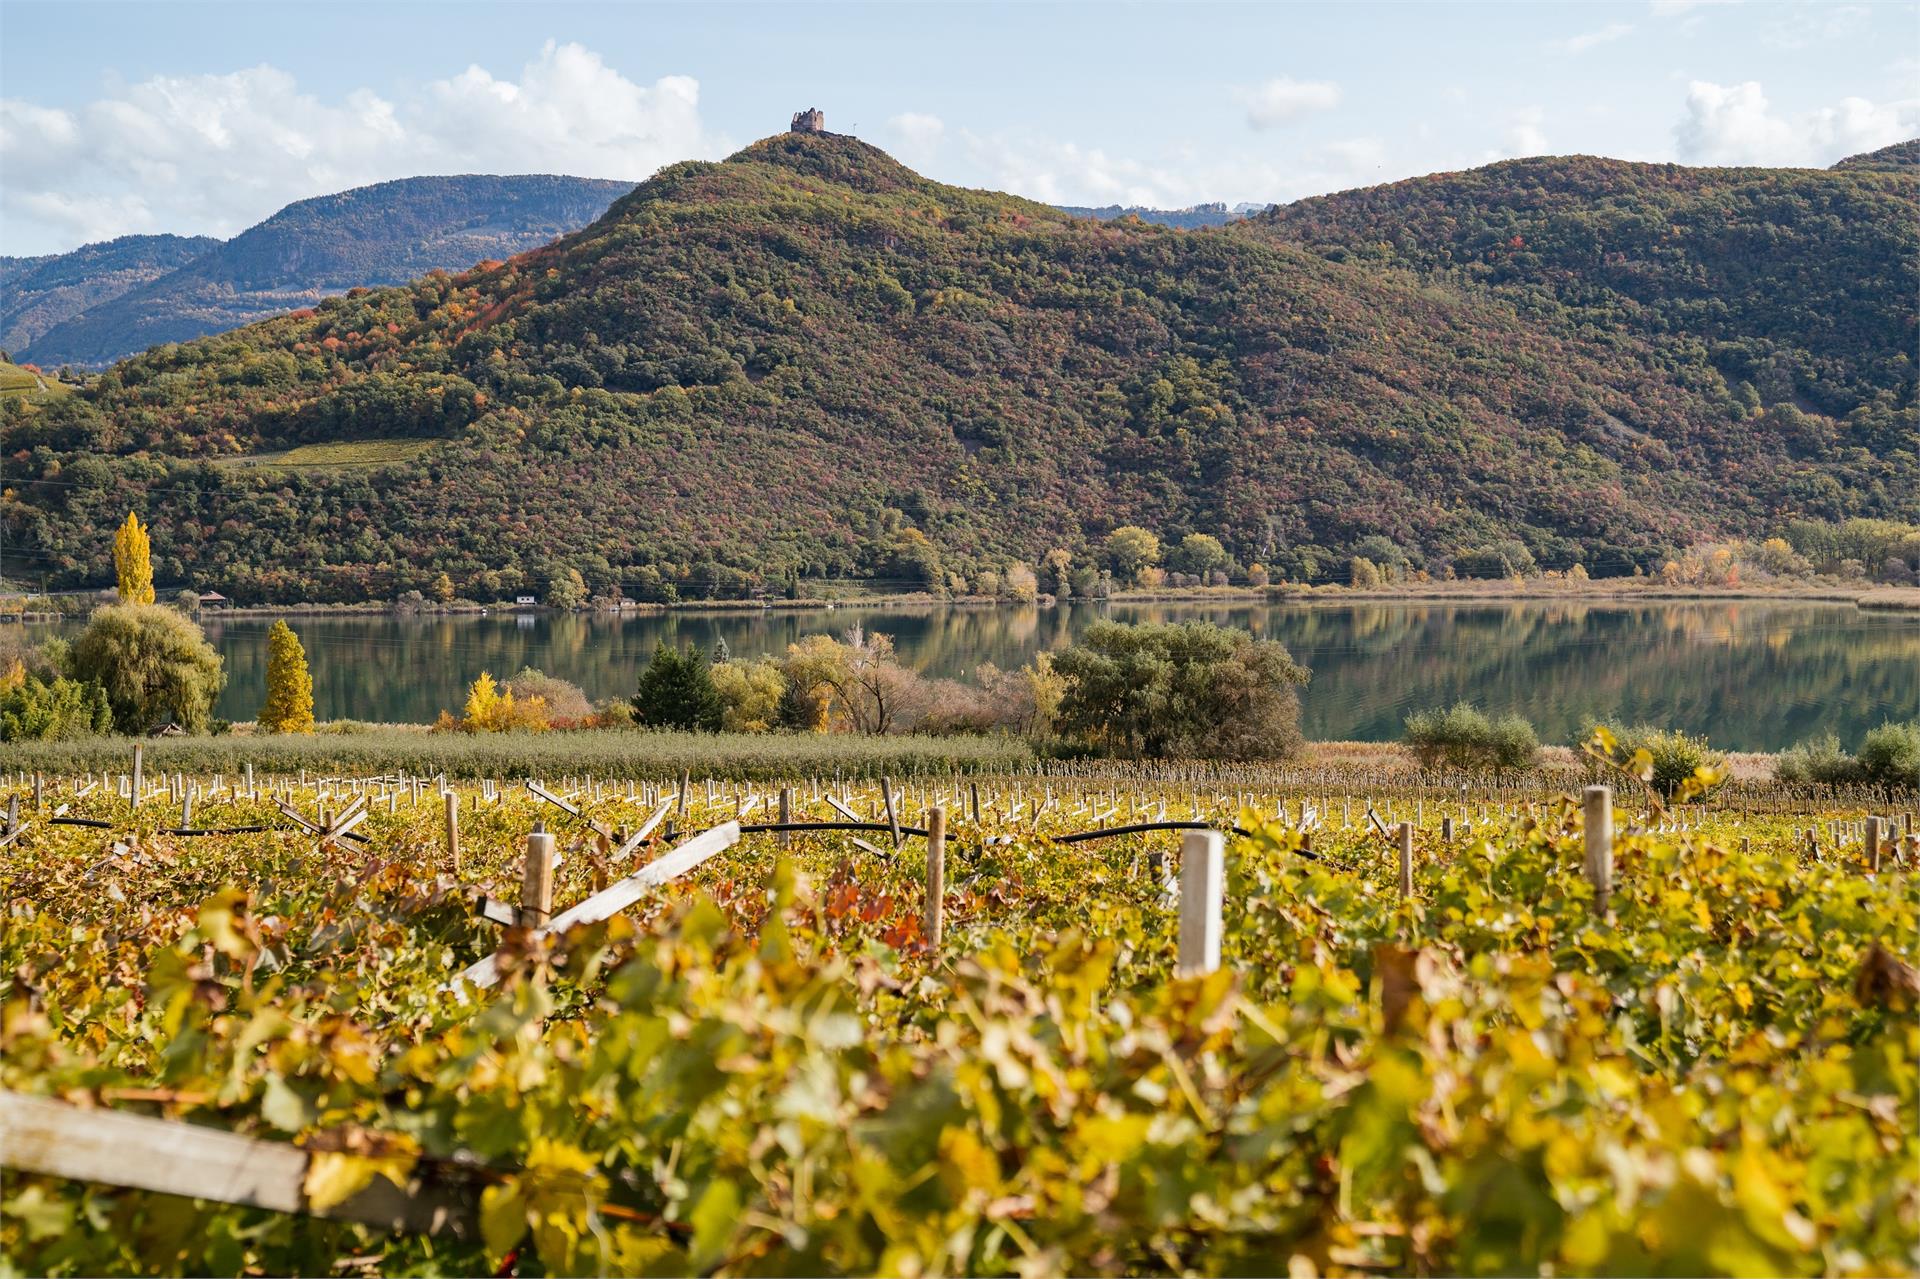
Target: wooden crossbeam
(568, 807)
(617, 897)
(113, 1148)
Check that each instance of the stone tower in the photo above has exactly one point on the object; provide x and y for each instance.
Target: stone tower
(812, 120)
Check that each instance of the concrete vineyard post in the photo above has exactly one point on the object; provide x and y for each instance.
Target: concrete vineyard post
(536, 887)
(1202, 883)
(139, 766)
(1873, 844)
(936, 875)
(1406, 860)
(453, 829)
(1599, 845)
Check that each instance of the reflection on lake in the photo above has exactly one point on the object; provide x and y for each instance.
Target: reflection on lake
(1754, 674)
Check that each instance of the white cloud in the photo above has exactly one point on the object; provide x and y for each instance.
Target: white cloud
(212, 154)
(1065, 172)
(1734, 124)
(916, 137)
(1524, 136)
(1588, 39)
(1283, 100)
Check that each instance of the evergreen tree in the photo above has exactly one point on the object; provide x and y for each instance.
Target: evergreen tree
(289, 704)
(676, 691)
(133, 562)
(801, 709)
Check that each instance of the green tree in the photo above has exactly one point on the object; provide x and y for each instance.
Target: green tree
(1198, 554)
(751, 693)
(1186, 690)
(289, 704)
(1130, 549)
(155, 665)
(1463, 737)
(676, 691)
(802, 708)
(37, 710)
(133, 562)
(566, 589)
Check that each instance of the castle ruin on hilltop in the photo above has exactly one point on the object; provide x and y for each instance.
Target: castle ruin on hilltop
(812, 120)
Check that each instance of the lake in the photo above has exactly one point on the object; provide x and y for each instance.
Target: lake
(1753, 674)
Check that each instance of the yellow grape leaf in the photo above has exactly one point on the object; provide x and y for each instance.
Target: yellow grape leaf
(334, 1176)
(503, 1218)
(713, 1220)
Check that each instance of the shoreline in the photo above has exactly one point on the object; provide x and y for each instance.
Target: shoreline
(1900, 599)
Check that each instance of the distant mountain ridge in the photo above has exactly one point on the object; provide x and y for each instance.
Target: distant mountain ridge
(41, 293)
(369, 236)
(1217, 213)
(809, 361)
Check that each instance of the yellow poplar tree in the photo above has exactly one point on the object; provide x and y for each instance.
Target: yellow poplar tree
(133, 561)
(488, 708)
(289, 704)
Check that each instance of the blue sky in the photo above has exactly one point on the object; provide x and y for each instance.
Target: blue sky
(204, 118)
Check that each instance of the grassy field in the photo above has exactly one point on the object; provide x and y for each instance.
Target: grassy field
(603, 752)
(15, 380)
(769, 1065)
(335, 455)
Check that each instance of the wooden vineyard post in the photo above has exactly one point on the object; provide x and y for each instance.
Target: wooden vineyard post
(1873, 844)
(893, 820)
(139, 764)
(936, 875)
(1599, 845)
(1202, 883)
(786, 814)
(39, 787)
(453, 830)
(974, 787)
(686, 781)
(1446, 831)
(536, 887)
(1406, 860)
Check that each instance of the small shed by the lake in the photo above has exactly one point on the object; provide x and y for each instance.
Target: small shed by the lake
(212, 600)
(526, 601)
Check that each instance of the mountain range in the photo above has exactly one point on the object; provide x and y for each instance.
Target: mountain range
(808, 361)
(106, 301)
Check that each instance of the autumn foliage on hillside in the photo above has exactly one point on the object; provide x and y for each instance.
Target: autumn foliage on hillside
(780, 366)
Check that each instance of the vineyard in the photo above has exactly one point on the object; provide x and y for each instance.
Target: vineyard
(1038, 1023)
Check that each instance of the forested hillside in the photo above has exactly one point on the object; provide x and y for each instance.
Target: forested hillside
(384, 234)
(36, 294)
(808, 361)
(1797, 286)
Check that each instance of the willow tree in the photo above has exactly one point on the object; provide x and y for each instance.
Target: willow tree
(133, 561)
(289, 704)
(155, 665)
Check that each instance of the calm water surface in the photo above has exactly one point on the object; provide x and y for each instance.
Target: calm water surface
(1755, 675)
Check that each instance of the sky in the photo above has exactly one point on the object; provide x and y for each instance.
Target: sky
(204, 118)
